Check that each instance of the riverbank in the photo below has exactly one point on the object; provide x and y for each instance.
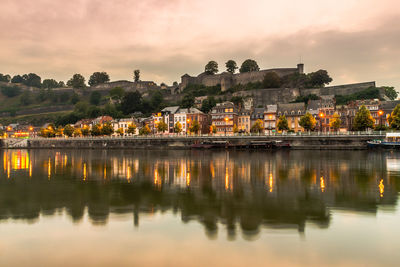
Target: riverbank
(317, 142)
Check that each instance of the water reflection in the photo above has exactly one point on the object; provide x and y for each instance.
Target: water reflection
(244, 191)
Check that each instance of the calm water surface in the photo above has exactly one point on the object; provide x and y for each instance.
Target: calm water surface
(199, 208)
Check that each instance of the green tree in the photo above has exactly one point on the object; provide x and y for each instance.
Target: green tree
(117, 93)
(98, 78)
(50, 84)
(136, 75)
(78, 132)
(17, 79)
(394, 118)
(131, 128)
(231, 66)
(10, 91)
(162, 127)
(178, 127)
(195, 127)
(187, 101)
(258, 127)
(363, 119)
(81, 108)
(77, 81)
(208, 104)
(26, 98)
(120, 131)
(107, 129)
(5, 78)
(32, 79)
(69, 130)
(237, 100)
(156, 100)
(235, 129)
(282, 124)
(145, 130)
(249, 65)
(131, 102)
(319, 78)
(96, 130)
(85, 131)
(271, 80)
(390, 92)
(308, 122)
(335, 122)
(74, 98)
(213, 129)
(95, 98)
(211, 68)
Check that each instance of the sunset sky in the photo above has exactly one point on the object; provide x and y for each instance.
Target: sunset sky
(355, 40)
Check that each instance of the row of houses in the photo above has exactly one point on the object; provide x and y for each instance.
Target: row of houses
(227, 118)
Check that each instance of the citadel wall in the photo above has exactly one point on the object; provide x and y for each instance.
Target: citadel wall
(227, 80)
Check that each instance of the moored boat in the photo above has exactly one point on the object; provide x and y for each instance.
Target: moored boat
(392, 141)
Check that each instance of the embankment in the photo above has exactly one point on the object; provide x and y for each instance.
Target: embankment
(334, 142)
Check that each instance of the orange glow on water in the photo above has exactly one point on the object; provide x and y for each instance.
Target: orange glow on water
(322, 183)
(381, 188)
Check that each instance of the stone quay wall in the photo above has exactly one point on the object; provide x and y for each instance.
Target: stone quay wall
(333, 142)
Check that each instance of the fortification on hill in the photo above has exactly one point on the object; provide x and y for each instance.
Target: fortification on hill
(227, 79)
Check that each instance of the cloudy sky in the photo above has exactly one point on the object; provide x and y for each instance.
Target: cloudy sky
(355, 40)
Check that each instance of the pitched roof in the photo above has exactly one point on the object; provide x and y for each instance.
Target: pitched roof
(189, 111)
(291, 107)
(171, 110)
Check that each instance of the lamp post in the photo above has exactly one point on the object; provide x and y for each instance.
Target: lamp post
(380, 113)
(187, 126)
(321, 116)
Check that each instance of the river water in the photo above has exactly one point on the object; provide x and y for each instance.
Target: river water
(199, 208)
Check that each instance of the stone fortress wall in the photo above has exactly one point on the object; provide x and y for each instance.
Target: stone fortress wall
(141, 86)
(285, 95)
(227, 80)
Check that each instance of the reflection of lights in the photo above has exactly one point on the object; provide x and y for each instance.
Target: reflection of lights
(8, 169)
(322, 183)
(129, 174)
(30, 169)
(212, 169)
(84, 171)
(188, 179)
(226, 179)
(156, 178)
(271, 182)
(105, 172)
(381, 188)
(49, 169)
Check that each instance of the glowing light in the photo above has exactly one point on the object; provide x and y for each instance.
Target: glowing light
(271, 182)
(321, 115)
(381, 188)
(322, 184)
(30, 169)
(129, 174)
(226, 179)
(49, 169)
(188, 179)
(84, 171)
(380, 112)
(105, 172)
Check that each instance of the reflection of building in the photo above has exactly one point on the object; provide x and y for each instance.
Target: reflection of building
(257, 189)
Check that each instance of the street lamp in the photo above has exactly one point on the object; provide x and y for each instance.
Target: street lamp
(380, 113)
(187, 126)
(321, 116)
